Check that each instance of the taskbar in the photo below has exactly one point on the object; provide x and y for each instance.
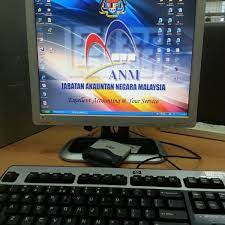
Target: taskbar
(104, 113)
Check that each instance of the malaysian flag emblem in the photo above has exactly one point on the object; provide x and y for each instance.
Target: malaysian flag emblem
(113, 8)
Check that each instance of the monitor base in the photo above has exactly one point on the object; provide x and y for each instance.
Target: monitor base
(143, 149)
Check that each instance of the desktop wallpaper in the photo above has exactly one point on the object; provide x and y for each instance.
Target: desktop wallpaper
(115, 57)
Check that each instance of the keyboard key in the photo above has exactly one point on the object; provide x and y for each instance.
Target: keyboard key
(136, 180)
(135, 213)
(159, 203)
(129, 222)
(99, 222)
(146, 202)
(12, 209)
(173, 215)
(120, 180)
(197, 195)
(200, 205)
(3, 197)
(217, 183)
(80, 211)
(107, 212)
(143, 222)
(44, 178)
(13, 220)
(176, 204)
(14, 198)
(42, 221)
(213, 205)
(83, 179)
(149, 214)
(210, 196)
(191, 182)
(10, 177)
(38, 210)
(222, 195)
(25, 189)
(114, 222)
(32, 178)
(68, 178)
(169, 223)
(66, 211)
(13, 189)
(70, 221)
(174, 181)
(52, 210)
(28, 220)
(171, 194)
(66, 199)
(53, 199)
(28, 198)
(40, 199)
(85, 221)
(132, 202)
(56, 221)
(25, 209)
(93, 211)
(121, 213)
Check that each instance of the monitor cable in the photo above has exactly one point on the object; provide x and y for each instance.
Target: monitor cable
(194, 157)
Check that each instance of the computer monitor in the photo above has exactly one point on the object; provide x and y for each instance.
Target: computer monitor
(115, 62)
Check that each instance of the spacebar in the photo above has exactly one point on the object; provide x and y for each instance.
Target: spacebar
(170, 223)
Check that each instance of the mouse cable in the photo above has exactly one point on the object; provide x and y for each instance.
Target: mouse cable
(172, 144)
(166, 158)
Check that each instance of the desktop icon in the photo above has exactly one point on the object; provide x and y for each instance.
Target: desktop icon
(39, 20)
(43, 85)
(43, 77)
(170, 10)
(177, 50)
(180, 10)
(160, 20)
(49, 20)
(45, 103)
(168, 50)
(112, 8)
(178, 40)
(50, 30)
(169, 30)
(160, 30)
(169, 40)
(44, 93)
(179, 30)
(170, 20)
(167, 59)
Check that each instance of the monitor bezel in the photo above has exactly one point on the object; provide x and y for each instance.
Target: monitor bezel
(159, 121)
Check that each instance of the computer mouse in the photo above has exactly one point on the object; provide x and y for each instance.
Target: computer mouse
(104, 157)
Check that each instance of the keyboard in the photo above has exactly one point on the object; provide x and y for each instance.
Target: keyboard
(37, 195)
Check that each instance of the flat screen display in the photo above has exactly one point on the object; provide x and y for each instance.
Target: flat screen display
(115, 57)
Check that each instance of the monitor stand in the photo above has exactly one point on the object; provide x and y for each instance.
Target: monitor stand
(143, 149)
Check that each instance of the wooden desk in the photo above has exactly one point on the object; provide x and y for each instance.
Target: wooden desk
(43, 148)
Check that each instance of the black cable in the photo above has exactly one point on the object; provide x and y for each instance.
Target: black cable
(186, 149)
(168, 156)
(175, 145)
(173, 164)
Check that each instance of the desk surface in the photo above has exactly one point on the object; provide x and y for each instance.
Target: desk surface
(43, 148)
